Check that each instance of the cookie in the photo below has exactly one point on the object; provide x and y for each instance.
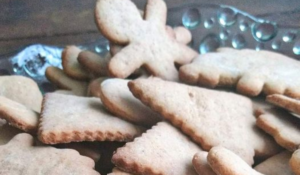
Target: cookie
(182, 35)
(201, 165)
(22, 90)
(225, 162)
(71, 66)
(19, 156)
(148, 42)
(285, 102)
(283, 126)
(7, 132)
(94, 63)
(210, 117)
(252, 72)
(161, 150)
(18, 115)
(276, 165)
(60, 79)
(117, 171)
(94, 87)
(68, 118)
(118, 99)
(295, 162)
(88, 149)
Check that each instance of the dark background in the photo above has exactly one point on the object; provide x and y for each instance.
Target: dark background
(62, 22)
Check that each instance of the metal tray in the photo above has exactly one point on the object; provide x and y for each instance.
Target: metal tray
(212, 26)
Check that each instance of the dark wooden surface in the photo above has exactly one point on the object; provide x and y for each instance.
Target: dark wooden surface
(62, 22)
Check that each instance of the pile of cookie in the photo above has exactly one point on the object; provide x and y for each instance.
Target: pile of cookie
(153, 106)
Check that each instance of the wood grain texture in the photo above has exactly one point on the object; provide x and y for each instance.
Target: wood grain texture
(62, 22)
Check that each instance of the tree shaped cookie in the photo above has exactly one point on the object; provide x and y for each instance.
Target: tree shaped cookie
(19, 156)
(68, 118)
(148, 42)
(210, 117)
(276, 165)
(252, 72)
(283, 126)
(162, 150)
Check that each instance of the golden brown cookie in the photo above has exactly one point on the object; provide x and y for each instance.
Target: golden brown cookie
(252, 72)
(19, 156)
(161, 150)
(60, 79)
(182, 35)
(210, 117)
(94, 63)
(18, 115)
(285, 102)
(68, 118)
(71, 66)
(284, 127)
(22, 90)
(148, 42)
(276, 165)
(118, 99)
(225, 162)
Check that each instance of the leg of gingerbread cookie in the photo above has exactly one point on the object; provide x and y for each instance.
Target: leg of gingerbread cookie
(120, 61)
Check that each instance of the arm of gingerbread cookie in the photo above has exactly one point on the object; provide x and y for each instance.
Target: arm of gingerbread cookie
(163, 69)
